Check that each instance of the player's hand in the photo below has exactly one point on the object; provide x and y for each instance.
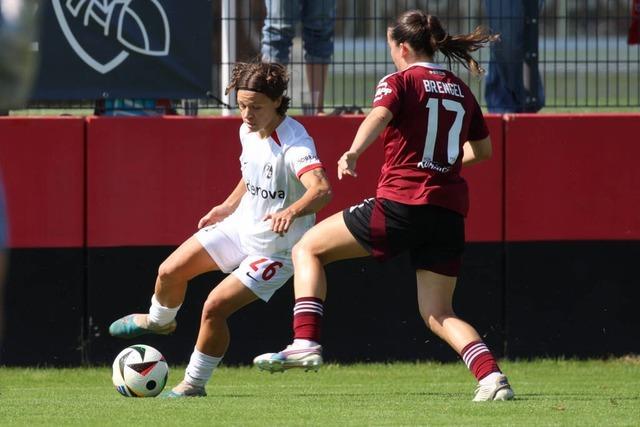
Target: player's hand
(280, 221)
(217, 214)
(347, 165)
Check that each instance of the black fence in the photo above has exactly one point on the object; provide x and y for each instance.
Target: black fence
(580, 49)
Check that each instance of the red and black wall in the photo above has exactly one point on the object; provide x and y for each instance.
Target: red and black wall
(96, 204)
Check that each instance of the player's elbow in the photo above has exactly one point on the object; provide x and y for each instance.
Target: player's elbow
(486, 152)
(482, 149)
(325, 194)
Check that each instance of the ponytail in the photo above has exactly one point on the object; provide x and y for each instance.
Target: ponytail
(424, 33)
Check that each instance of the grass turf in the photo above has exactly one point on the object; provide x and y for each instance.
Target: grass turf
(548, 392)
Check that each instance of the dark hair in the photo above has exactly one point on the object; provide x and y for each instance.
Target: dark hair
(424, 33)
(270, 79)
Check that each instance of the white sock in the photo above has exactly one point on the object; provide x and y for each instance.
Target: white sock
(302, 343)
(161, 315)
(491, 378)
(200, 368)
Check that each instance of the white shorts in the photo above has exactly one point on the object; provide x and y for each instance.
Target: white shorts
(262, 274)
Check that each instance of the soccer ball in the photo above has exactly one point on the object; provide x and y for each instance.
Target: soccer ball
(140, 371)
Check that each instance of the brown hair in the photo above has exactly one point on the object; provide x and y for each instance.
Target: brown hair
(424, 33)
(270, 79)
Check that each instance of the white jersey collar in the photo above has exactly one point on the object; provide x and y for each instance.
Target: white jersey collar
(427, 65)
(279, 133)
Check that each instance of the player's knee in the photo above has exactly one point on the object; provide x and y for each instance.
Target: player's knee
(301, 250)
(168, 272)
(214, 309)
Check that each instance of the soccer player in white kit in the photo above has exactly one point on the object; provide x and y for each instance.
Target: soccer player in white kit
(250, 234)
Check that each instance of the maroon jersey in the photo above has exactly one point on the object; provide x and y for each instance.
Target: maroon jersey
(434, 114)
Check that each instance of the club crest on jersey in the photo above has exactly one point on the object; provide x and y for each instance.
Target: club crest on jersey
(267, 171)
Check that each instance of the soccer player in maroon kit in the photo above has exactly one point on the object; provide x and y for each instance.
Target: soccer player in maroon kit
(431, 125)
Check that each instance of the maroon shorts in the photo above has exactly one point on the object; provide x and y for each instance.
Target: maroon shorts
(434, 236)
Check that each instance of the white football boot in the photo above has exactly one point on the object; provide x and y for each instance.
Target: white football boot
(499, 390)
(307, 358)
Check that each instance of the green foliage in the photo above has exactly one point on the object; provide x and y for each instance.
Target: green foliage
(548, 392)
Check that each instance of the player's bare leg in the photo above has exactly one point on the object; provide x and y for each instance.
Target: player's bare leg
(214, 337)
(328, 241)
(316, 78)
(189, 260)
(435, 297)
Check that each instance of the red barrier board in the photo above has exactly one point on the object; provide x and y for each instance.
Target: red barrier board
(333, 136)
(486, 190)
(151, 179)
(572, 177)
(42, 164)
(134, 200)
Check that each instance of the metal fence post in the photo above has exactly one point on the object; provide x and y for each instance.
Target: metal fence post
(531, 57)
(228, 45)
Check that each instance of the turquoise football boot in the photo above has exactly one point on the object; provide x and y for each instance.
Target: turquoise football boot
(184, 390)
(125, 327)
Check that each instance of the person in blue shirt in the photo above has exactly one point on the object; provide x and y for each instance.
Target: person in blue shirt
(511, 85)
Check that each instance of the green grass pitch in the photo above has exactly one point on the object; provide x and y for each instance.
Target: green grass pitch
(548, 392)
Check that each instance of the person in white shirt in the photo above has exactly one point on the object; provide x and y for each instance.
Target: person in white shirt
(250, 234)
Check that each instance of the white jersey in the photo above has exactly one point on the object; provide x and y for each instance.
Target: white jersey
(271, 169)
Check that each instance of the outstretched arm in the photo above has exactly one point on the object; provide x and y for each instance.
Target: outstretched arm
(318, 194)
(369, 130)
(226, 208)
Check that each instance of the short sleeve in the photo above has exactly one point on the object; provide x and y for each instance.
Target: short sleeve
(477, 127)
(388, 93)
(302, 156)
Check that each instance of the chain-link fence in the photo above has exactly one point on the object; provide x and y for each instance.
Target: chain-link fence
(580, 48)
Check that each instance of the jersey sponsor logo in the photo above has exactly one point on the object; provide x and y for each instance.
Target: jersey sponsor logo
(382, 90)
(436, 86)
(251, 277)
(256, 190)
(308, 158)
(429, 164)
(267, 171)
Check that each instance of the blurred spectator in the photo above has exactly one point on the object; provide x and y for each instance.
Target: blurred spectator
(318, 23)
(18, 30)
(634, 28)
(511, 85)
(134, 107)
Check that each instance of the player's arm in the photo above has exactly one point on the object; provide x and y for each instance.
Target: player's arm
(476, 151)
(318, 194)
(226, 208)
(369, 130)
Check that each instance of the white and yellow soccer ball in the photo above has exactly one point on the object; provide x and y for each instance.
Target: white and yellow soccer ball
(140, 371)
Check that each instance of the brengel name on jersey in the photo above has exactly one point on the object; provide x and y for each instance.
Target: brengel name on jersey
(433, 86)
(263, 192)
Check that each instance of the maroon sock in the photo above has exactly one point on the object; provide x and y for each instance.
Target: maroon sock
(307, 318)
(479, 360)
